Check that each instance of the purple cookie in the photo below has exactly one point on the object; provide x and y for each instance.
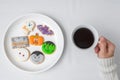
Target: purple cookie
(45, 29)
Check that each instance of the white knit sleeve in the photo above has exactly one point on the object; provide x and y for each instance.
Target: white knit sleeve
(108, 69)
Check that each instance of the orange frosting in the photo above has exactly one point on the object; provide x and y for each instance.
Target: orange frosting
(36, 40)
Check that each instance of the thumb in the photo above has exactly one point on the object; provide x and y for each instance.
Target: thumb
(97, 49)
(103, 45)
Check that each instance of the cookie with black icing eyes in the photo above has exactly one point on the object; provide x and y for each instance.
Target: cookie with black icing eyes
(22, 54)
(37, 57)
(28, 26)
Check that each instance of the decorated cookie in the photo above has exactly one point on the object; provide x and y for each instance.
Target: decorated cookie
(44, 29)
(36, 40)
(28, 26)
(20, 42)
(22, 54)
(48, 47)
(37, 57)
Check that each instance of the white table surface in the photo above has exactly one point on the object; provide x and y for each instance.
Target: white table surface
(104, 15)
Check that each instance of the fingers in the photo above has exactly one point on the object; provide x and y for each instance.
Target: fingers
(103, 45)
(105, 48)
(111, 47)
(97, 49)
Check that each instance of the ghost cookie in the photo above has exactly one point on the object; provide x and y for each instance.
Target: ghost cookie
(48, 47)
(37, 57)
(22, 54)
(28, 26)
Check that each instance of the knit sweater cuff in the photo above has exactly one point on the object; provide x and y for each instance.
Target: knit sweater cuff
(107, 64)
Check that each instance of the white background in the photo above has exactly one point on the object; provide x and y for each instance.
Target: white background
(104, 15)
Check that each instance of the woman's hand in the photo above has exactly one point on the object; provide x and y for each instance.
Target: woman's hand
(105, 48)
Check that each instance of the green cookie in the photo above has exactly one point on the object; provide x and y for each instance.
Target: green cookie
(48, 47)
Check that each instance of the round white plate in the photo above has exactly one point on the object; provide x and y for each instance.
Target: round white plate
(15, 30)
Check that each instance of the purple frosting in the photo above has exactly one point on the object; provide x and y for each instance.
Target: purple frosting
(45, 29)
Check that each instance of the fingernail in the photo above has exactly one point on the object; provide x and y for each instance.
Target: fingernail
(99, 42)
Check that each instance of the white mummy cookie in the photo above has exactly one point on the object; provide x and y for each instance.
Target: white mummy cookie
(37, 57)
(28, 26)
(22, 54)
(20, 42)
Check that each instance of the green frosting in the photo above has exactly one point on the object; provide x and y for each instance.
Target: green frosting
(48, 47)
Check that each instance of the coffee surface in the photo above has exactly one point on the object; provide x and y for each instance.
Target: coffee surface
(83, 38)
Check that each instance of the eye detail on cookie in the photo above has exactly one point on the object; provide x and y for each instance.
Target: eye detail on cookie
(22, 54)
(48, 47)
(37, 57)
(28, 26)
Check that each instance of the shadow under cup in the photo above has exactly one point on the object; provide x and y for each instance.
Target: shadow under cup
(85, 37)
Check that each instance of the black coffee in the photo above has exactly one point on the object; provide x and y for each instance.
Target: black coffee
(83, 38)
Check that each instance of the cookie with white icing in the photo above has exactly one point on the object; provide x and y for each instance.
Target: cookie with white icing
(37, 57)
(20, 42)
(28, 26)
(22, 54)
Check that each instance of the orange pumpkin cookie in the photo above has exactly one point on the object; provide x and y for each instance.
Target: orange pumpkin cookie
(36, 40)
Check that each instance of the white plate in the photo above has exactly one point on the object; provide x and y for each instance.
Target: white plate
(14, 30)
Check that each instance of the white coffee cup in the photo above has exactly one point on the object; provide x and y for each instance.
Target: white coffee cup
(85, 37)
